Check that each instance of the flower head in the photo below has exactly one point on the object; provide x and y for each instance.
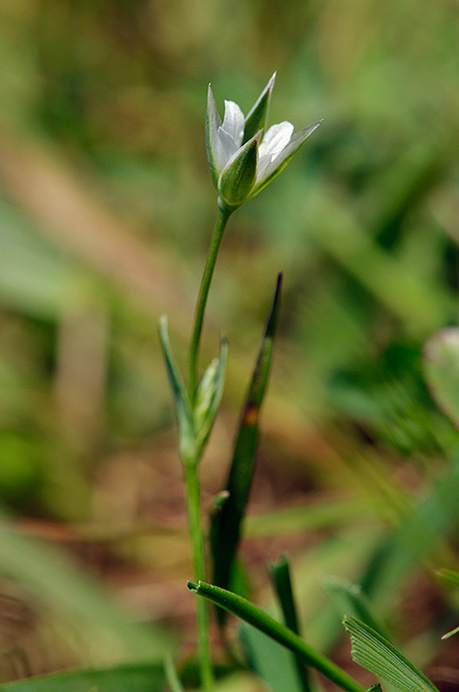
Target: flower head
(243, 156)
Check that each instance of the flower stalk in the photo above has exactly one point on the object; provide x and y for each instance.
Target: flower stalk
(217, 235)
(243, 158)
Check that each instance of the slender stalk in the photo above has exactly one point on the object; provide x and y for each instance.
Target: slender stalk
(199, 567)
(217, 236)
(191, 465)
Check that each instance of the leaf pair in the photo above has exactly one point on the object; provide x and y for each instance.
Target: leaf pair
(195, 420)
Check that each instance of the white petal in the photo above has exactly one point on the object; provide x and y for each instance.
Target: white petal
(262, 165)
(233, 122)
(275, 139)
(224, 148)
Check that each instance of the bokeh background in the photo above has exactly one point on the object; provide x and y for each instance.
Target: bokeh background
(106, 209)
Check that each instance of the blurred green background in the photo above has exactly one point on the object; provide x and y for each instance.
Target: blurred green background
(106, 208)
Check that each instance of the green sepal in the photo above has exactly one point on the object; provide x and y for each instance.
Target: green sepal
(208, 396)
(213, 122)
(286, 154)
(379, 656)
(238, 177)
(258, 114)
(183, 411)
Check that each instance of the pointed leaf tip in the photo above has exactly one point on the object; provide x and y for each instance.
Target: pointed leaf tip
(258, 115)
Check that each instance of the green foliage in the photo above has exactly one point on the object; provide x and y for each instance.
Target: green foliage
(441, 364)
(280, 573)
(104, 215)
(256, 617)
(227, 522)
(144, 677)
(379, 656)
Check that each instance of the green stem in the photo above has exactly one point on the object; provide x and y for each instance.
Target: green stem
(217, 236)
(265, 623)
(199, 567)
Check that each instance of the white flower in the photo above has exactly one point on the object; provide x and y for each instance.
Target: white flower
(243, 158)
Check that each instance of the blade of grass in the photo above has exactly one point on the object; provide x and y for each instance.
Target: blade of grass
(143, 677)
(380, 657)
(172, 678)
(226, 528)
(72, 594)
(449, 575)
(280, 573)
(250, 613)
(351, 600)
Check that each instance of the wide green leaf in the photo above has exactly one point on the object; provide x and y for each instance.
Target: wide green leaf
(379, 656)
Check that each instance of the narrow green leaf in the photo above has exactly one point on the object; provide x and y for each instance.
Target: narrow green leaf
(73, 595)
(450, 634)
(144, 677)
(208, 397)
(379, 656)
(238, 177)
(172, 678)
(270, 660)
(441, 367)
(449, 575)
(280, 573)
(250, 613)
(375, 688)
(226, 529)
(186, 431)
(258, 114)
(351, 600)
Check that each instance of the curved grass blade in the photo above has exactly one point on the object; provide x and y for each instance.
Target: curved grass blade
(172, 677)
(449, 576)
(380, 657)
(280, 573)
(142, 677)
(226, 524)
(351, 600)
(250, 613)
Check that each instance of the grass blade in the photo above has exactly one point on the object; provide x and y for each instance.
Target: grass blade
(142, 677)
(380, 657)
(250, 613)
(226, 529)
(172, 678)
(280, 573)
(351, 600)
